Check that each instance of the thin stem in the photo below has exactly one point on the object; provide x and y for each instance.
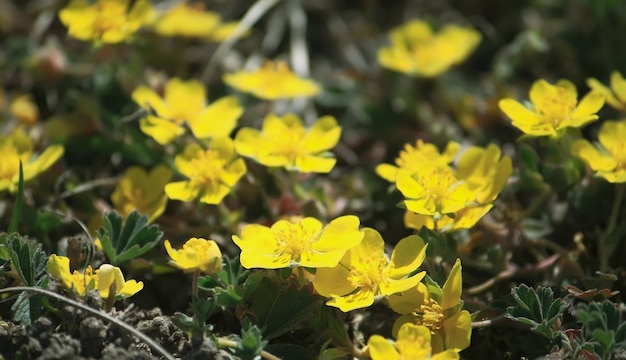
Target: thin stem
(617, 202)
(223, 342)
(194, 285)
(104, 316)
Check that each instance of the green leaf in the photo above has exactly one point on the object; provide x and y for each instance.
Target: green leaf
(434, 289)
(291, 307)
(251, 343)
(537, 309)
(19, 203)
(133, 238)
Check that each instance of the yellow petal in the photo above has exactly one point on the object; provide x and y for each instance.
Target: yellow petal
(322, 136)
(589, 105)
(340, 234)
(358, 300)
(109, 276)
(248, 142)
(613, 134)
(233, 172)
(539, 91)
(409, 300)
(333, 281)
(396, 286)
(257, 239)
(371, 245)
(381, 349)
(148, 99)
(214, 193)
(182, 190)
(453, 287)
(408, 186)
(42, 163)
(184, 99)
(417, 221)
(131, 287)
(217, 120)
(446, 355)
(59, 268)
(161, 130)
(407, 256)
(593, 157)
(518, 112)
(618, 84)
(387, 172)
(315, 164)
(458, 330)
(275, 126)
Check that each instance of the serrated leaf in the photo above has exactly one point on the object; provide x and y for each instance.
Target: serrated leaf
(123, 241)
(288, 310)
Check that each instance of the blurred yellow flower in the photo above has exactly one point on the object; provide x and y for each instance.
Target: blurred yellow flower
(107, 21)
(365, 272)
(616, 94)
(298, 242)
(102, 279)
(413, 158)
(555, 108)
(192, 20)
(142, 191)
(438, 310)
(18, 146)
(412, 343)
(284, 142)
(24, 110)
(484, 174)
(184, 103)
(609, 161)
(211, 172)
(416, 50)
(196, 254)
(272, 81)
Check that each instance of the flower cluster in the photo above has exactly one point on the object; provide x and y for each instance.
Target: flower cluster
(413, 342)
(416, 50)
(609, 159)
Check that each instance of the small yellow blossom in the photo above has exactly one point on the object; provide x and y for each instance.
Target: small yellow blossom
(24, 110)
(211, 172)
(439, 311)
(102, 279)
(555, 108)
(298, 242)
(365, 272)
(196, 254)
(413, 158)
(184, 103)
(107, 21)
(413, 343)
(616, 94)
(18, 147)
(192, 20)
(609, 161)
(272, 81)
(284, 142)
(484, 174)
(142, 191)
(416, 50)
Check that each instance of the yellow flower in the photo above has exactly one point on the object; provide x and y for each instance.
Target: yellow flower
(192, 20)
(609, 161)
(439, 311)
(108, 21)
(298, 242)
(16, 147)
(413, 343)
(284, 142)
(101, 279)
(365, 272)
(414, 158)
(616, 94)
(184, 103)
(416, 50)
(272, 81)
(196, 254)
(142, 191)
(24, 110)
(555, 108)
(212, 172)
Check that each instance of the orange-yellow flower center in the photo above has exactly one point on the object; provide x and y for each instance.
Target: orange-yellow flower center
(557, 108)
(209, 167)
(288, 143)
(295, 240)
(438, 184)
(368, 273)
(430, 314)
(82, 282)
(110, 14)
(413, 347)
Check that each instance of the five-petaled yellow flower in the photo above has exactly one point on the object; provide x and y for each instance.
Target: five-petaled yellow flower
(192, 20)
(412, 158)
(365, 272)
(184, 103)
(107, 21)
(416, 50)
(609, 161)
(555, 108)
(142, 191)
(102, 279)
(212, 172)
(196, 254)
(285, 142)
(616, 94)
(272, 81)
(18, 147)
(484, 174)
(439, 311)
(298, 242)
(412, 343)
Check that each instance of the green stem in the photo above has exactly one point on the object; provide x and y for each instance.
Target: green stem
(194, 285)
(617, 202)
(223, 342)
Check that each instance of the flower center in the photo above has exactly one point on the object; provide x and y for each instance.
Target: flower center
(110, 15)
(209, 167)
(135, 201)
(414, 347)
(557, 108)
(430, 315)
(295, 240)
(618, 152)
(438, 184)
(82, 282)
(288, 143)
(370, 272)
